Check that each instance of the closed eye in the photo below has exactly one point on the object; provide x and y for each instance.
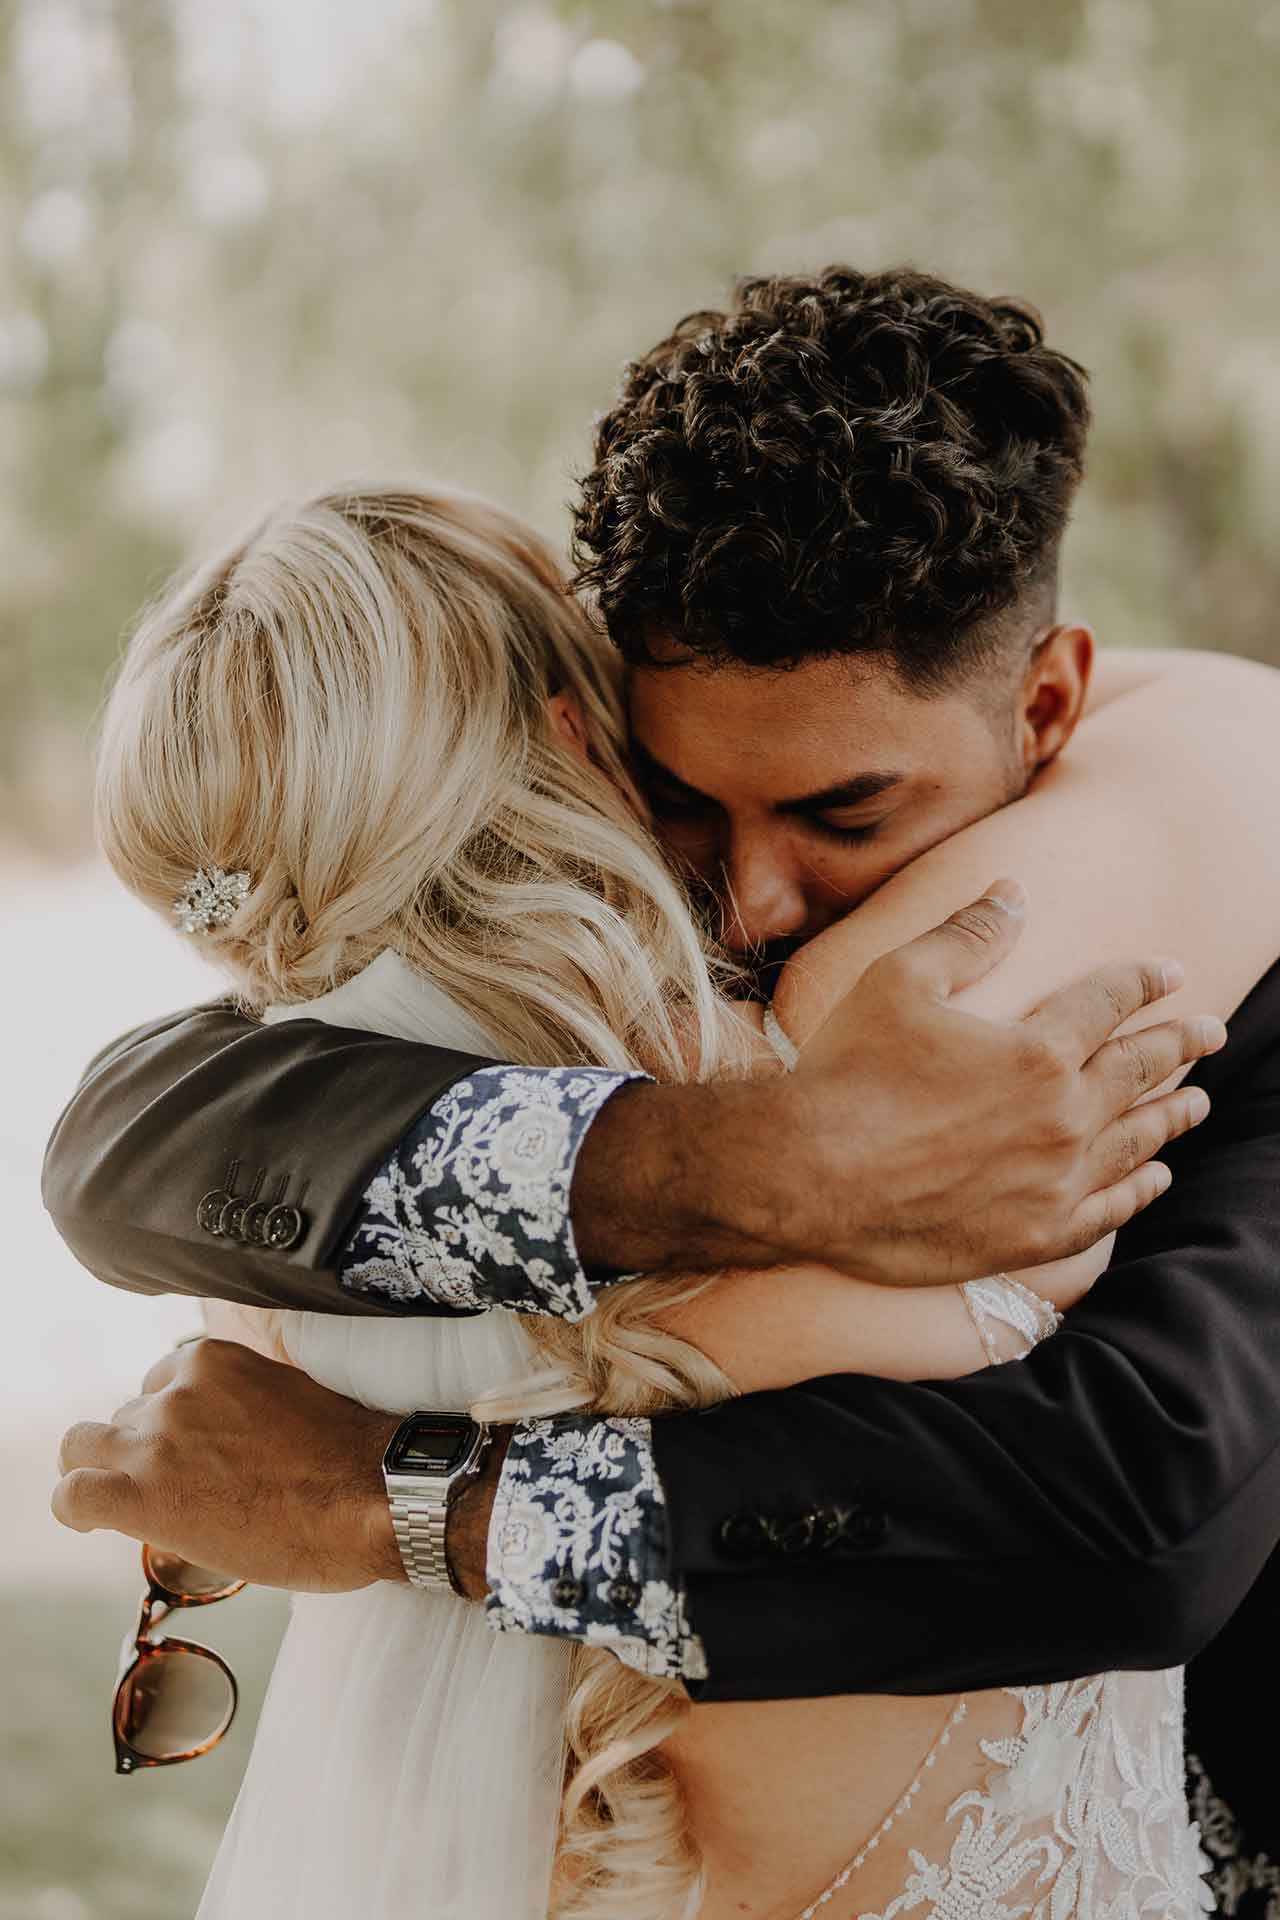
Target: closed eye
(848, 836)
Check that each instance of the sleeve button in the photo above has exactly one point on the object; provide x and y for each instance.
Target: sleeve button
(830, 1527)
(568, 1592)
(866, 1527)
(742, 1536)
(209, 1212)
(795, 1535)
(283, 1228)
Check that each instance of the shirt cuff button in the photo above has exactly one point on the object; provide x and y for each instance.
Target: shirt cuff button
(624, 1594)
(568, 1592)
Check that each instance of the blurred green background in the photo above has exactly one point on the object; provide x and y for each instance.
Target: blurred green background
(253, 246)
(265, 245)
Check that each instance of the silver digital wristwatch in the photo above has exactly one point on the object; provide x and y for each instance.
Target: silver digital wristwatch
(430, 1458)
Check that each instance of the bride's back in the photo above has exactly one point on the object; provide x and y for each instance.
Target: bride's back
(1054, 1801)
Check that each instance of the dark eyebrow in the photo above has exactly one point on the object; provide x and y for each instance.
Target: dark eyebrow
(849, 793)
(863, 786)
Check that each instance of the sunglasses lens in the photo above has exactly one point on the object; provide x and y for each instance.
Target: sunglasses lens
(178, 1576)
(174, 1703)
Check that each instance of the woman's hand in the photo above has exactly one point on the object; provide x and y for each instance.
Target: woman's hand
(1066, 1282)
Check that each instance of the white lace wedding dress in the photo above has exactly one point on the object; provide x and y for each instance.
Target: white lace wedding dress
(408, 1759)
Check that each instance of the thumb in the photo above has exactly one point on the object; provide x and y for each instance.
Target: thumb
(975, 938)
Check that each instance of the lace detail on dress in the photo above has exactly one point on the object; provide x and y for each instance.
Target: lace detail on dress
(1010, 1305)
(1083, 1815)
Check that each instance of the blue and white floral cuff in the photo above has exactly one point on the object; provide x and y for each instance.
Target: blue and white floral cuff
(578, 1544)
(472, 1212)
(472, 1209)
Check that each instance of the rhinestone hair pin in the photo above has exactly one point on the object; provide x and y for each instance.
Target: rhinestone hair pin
(210, 899)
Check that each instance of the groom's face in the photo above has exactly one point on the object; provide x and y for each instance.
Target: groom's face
(790, 796)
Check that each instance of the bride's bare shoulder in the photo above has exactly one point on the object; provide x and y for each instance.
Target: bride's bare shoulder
(1125, 672)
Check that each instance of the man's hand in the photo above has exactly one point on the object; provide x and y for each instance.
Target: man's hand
(238, 1463)
(958, 1145)
(916, 1143)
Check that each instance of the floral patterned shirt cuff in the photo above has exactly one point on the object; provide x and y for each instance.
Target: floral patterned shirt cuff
(578, 1544)
(472, 1209)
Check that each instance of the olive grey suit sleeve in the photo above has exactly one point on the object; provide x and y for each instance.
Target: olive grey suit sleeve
(308, 1165)
(208, 1154)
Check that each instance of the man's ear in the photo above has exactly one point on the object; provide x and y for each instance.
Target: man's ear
(1053, 693)
(568, 724)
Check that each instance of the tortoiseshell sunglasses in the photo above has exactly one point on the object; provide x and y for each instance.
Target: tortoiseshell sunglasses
(174, 1699)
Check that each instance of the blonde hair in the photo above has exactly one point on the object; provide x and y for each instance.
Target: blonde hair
(351, 707)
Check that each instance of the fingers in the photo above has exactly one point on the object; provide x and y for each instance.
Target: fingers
(1122, 1070)
(1140, 1133)
(90, 1443)
(1105, 1212)
(95, 1490)
(1078, 1019)
(90, 1497)
(969, 944)
(1128, 1178)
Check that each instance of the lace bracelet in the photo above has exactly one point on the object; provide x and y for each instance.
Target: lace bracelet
(781, 1042)
(1010, 1303)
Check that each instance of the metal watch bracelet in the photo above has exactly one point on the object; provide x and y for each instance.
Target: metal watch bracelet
(419, 1526)
(419, 1496)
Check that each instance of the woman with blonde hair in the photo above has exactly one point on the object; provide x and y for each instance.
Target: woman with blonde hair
(386, 718)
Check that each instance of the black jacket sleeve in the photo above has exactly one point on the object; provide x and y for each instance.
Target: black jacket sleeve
(1105, 1504)
(176, 1118)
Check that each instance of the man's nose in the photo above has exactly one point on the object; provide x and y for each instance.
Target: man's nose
(763, 899)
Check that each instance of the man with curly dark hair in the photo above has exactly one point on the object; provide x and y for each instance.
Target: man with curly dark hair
(824, 529)
(836, 509)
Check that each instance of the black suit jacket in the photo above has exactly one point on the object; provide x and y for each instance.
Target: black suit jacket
(1107, 1503)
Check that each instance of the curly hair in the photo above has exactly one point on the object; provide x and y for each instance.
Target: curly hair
(850, 464)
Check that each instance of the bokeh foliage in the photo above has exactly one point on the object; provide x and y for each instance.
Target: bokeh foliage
(256, 247)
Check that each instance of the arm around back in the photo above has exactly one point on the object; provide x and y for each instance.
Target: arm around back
(209, 1154)
(203, 1103)
(1105, 1503)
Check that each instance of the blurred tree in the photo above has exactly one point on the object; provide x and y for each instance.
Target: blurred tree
(262, 247)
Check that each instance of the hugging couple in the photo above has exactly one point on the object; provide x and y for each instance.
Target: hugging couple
(818, 1430)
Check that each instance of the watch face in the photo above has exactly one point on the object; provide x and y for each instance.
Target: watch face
(434, 1444)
